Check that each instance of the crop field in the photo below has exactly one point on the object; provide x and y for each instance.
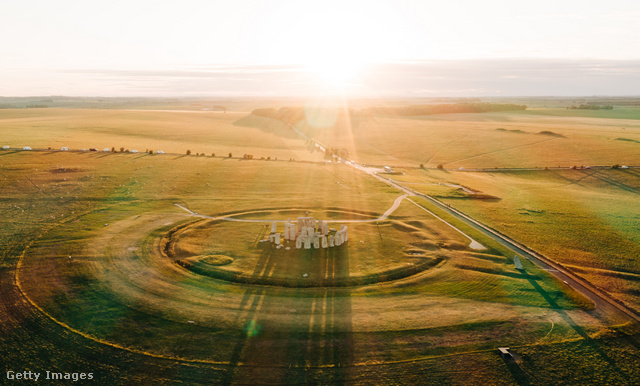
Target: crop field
(202, 132)
(585, 219)
(488, 140)
(153, 268)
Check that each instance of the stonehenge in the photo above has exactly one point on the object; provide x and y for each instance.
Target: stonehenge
(308, 233)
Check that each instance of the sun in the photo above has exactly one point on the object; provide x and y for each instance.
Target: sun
(337, 71)
(333, 40)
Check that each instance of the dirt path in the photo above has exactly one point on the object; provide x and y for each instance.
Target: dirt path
(383, 217)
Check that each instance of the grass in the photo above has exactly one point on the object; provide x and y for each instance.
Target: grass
(110, 211)
(474, 141)
(127, 292)
(581, 218)
(171, 132)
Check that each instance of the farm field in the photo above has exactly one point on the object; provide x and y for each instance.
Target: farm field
(488, 140)
(149, 267)
(585, 219)
(202, 132)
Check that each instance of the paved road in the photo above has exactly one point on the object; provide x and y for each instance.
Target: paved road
(602, 300)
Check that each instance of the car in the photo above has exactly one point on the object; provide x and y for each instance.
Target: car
(64, 148)
(93, 149)
(624, 167)
(5, 147)
(134, 151)
(106, 149)
(159, 152)
(26, 148)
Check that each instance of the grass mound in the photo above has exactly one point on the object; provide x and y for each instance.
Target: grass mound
(215, 259)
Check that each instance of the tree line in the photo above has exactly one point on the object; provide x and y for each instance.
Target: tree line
(297, 114)
(590, 107)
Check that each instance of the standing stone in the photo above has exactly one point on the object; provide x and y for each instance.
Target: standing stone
(316, 242)
(332, 241)
(517, 262)
(323, 241)
(273, 227)
(338, 240)
(299, 242)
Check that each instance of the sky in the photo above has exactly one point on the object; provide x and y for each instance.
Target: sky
(291, 48)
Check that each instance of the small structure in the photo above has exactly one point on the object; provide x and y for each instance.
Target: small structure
(26, 148)
(288, 228)
(504, 353)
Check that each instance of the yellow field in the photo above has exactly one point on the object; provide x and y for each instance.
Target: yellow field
(488, 140)
(171, 132)
(84, 237)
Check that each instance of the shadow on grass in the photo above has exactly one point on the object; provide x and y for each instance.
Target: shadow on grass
(604, 177)
(554, 305)
(521, 378)
(496, 271)
(318, 331)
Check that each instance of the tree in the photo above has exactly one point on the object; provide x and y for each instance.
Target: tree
(230, 155)
(122, 150)
(421, 166)
(188, 152)
(440, 166)
(213, 154)
(113, 149)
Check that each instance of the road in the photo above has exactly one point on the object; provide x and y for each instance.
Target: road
(603, 301)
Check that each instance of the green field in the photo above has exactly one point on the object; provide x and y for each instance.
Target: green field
(85, 277)
(585, 219)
